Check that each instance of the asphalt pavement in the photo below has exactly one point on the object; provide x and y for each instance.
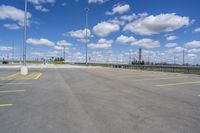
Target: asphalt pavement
(98, 100)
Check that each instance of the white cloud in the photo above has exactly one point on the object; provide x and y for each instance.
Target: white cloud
(194, 50)
(102, 43)
(97, 1)
(197, 30)
(105, 28)
(176, 50)
(42, 1)
(128, 17)
(14, 14)
(193, 44)
(46, 54)
(119, 8)
(147, 43)
(157, 24)
(42, 41)
(171, 38)
(63, 43)
(192, 55)
(80, 34)
(125, 39)
(41, 8)
(38, 4)
(58, 47)
(5, 48)
(117, 21)
(12, 26)
(170, 45)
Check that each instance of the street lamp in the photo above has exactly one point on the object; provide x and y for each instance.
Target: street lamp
(64, 54)
(24, 68)
(86, 38)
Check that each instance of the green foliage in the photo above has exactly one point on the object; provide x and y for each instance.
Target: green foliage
(59, 59)
(138, 62)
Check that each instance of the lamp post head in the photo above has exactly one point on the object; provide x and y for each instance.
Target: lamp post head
(87, 9)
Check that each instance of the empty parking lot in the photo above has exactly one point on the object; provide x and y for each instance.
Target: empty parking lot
(98, 100)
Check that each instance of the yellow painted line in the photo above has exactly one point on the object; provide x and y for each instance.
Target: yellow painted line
(11, 91)
(6, 105)
(18, 76)
(38, 76)
(198, 95)
(16, 84)
(183, 83)
(12, 75)
(150, 79)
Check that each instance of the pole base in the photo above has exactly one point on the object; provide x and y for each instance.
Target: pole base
(24, 70)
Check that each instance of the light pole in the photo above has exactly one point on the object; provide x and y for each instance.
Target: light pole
(24, 69)
(183, 57)
(64, 52)
(13, 52)
(86, 38)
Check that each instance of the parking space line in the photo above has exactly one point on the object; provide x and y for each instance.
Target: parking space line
(175, 84)
(151, 79)
(18, 76)
(38, 76)
(12, 91)
(19, 83)
(6, 105)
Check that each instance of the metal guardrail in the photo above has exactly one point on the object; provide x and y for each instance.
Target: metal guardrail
(163, 68)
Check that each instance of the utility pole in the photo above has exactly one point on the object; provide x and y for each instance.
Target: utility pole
(71, 53)
(174, 60)
(24, 69)
(129, 61)
(140, 54)
(86, 38)
(25, 34)
(13, 52)
(183, 57)
(64, 53)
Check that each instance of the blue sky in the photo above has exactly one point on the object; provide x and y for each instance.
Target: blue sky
(162, 28)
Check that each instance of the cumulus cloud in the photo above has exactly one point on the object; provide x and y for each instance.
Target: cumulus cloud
(176, 50)
(128, 17)
(41, 42)
(193, 44)
(12, 26)
(5, 48)
(117, 21)
(42, 1)
(63, 43)
(38, 4)
(194, 50)
(41, 8)
(125, 39)
(80, 34)
(197, 30)
(46, 54)
(147, 43)
(59, 47)
(171, 38)
(162, 23)
(103, 29)
(170, 45)
(101, 44)
(97, 1)
(119, 8)
(14, 14)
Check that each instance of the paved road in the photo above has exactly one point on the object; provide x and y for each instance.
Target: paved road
(101, 100)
